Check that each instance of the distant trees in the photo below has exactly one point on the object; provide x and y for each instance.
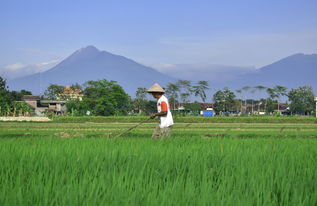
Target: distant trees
(200, 90)
(140, 101)
(260, 89)
(53, 90)
(5, 100)
(302, 100)
(182, 90)
(106, 98)
(172, 93)
(18, 96)
(224, 100)
(280, 91)
(8, 101)
(102, 98)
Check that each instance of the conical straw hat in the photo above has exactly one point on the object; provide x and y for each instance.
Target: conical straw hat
(156, 88)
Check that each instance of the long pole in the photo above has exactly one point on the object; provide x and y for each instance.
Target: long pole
(316, 106)
(131, 128)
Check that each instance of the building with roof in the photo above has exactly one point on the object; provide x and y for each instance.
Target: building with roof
(40, 106)
(70, 93)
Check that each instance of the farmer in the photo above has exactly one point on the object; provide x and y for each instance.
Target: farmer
(163, 112)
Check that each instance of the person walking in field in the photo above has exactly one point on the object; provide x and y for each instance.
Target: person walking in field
(163, 112)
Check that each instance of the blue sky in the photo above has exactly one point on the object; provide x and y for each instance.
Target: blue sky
(236, 32)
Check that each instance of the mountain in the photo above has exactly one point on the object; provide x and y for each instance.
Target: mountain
(91, 64)
(291, 72)
(210, 72)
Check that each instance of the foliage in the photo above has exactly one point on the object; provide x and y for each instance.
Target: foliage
(171, 92)
(5, 100)
(18, 96)
(53, 90)
(270, 105)
(184, 90)
(302, 100)
(224, 100)
(150, 107)
(21, 108)
(105, 98)
(140, 101)
(200, 90)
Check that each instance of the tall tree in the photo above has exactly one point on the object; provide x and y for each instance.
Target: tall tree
(18, 96)
(185, 90)
(200, 89)
(5, 100)
(271, 95)
(280, 91)
(224, 100)
(172, 92)
(105, 98)
(260, 88)
(140, 100)
(77, 86)
(53, 90)
(245, 89)
(239, 91)
(302, 100)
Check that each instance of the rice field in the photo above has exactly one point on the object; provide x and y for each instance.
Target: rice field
(76, 163)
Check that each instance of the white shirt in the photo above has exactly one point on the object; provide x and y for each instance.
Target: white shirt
(165, 121)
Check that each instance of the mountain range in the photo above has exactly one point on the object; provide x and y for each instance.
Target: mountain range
(91, 64)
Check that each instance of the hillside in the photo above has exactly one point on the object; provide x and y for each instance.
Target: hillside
(91, 64)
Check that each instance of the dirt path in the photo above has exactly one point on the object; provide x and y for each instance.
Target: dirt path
(33, 119)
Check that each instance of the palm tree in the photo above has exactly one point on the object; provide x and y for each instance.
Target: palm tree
(260, 88)
(239, 91)
(140, 99)
(272, 93)
(199, 90)
(280, 91)
(245, 89)
(172, 92)
(184, 89)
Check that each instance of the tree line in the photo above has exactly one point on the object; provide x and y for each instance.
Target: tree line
(103, 97)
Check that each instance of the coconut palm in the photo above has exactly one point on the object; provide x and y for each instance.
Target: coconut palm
(260, 88)
(200, 90)
(239, 91)
(172, 92)
(245, 89)
(280, 92)
(184, 89)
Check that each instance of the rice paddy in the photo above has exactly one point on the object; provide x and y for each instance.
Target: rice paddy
(76, 163)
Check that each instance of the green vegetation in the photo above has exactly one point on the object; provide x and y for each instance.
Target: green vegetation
(74, 163)
(189, 119)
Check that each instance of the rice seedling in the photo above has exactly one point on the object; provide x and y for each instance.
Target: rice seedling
(203, 164)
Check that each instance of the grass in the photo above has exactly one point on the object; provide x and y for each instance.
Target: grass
(189, 119)
(204, 164)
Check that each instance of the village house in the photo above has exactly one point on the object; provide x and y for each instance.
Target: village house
(40, 106)
(70, 93)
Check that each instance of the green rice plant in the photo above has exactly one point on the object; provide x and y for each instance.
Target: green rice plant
(71, 163)
(140, 171)
(188, 119)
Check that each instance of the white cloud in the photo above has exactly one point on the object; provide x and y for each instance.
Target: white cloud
(14, 67)
(17, 70)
